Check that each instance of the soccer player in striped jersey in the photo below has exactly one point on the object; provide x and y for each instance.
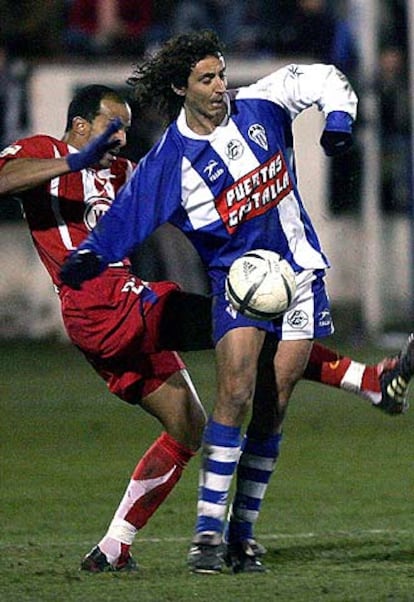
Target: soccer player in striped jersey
(224, 174)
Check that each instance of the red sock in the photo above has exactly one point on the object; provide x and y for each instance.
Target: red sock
(330, 368)
(326, 366)
(370, 379)
(152, 480)
(155, 476)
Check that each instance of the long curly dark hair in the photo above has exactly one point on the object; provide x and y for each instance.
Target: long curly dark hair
(171, 65)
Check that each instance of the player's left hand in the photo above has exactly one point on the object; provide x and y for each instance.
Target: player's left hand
(94, 151)
(337, 138)
(80, 266)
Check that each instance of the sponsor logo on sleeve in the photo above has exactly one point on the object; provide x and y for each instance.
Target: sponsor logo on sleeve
(294, 71)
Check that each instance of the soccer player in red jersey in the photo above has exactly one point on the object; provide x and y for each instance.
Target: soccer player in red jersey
(65, 186)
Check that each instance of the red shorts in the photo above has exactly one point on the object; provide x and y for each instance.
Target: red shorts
(114, 320)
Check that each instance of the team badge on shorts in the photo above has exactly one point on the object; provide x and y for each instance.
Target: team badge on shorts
(297, 319)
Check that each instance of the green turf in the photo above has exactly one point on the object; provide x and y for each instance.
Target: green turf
(337, 522)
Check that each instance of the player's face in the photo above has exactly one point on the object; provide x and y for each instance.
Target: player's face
(109, 110)
(204, 104)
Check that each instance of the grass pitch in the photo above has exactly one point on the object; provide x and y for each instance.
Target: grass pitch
(337, 521)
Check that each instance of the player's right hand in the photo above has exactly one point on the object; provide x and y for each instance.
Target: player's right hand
(94, 151)
(80, 266)
(336, 138)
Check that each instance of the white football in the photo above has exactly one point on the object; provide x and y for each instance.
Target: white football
(261, 284)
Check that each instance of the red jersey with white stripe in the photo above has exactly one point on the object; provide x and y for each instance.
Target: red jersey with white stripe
(62, 212)
(116, 323)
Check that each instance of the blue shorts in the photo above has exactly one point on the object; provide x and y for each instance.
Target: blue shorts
(309, 316)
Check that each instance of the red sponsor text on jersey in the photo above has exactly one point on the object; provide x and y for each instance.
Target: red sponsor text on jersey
(255, 193)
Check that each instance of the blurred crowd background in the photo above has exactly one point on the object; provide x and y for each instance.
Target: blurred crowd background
(118, 30)
(90, 29)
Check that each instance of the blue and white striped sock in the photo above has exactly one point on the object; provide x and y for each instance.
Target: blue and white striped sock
(221, 451)
(256, 465)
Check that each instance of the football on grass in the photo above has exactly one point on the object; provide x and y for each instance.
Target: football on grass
(261, 284)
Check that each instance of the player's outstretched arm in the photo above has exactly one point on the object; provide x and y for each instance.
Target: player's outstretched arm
(22, 174)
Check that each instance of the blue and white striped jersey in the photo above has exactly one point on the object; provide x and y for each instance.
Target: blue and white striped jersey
(234, 189)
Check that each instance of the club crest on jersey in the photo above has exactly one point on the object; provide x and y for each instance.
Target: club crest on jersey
(234, 150)
(257, 133)
(212, 173)
(95, 209)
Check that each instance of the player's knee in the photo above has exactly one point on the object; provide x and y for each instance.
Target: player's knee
(195, 426)
(285, 388)
(188, 422)
(234, 399)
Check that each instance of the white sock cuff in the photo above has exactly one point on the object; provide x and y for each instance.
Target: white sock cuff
(122, 531)
(352, 378)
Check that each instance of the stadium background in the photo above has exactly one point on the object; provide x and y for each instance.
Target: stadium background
(369, 248)
(337, 520)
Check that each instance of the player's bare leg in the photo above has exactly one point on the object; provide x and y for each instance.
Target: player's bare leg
(177, 407)
(237, 353)
(260, 450)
